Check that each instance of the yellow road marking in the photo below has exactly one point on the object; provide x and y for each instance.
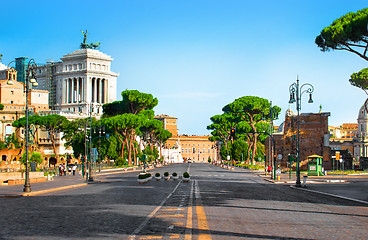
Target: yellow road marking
(151, 237)
(202, 224)
(174, 236)
(172, 209)
(201, 216)
(189, 223)
(170, 215)
(188, 231)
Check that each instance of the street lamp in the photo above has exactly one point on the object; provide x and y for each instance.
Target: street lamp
(296, 93)
(30, 78)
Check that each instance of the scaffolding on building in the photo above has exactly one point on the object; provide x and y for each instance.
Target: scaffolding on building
(51, 83)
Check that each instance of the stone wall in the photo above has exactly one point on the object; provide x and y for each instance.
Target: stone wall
(313, 130)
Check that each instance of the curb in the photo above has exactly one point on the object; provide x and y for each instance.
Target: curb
(53, 190)
(331, 195)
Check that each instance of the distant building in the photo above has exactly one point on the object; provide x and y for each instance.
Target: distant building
(170, 123)
(13, 97)
(344, 131)
(361, 139)
(181, 148)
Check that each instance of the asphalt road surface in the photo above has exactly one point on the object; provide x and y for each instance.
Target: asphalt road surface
(215, 204)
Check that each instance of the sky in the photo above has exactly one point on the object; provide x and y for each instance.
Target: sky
(196, 56)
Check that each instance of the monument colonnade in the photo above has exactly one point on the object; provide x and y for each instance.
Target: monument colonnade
(76, 90)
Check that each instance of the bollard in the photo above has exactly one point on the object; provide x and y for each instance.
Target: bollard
(278, 178)
(304, 180)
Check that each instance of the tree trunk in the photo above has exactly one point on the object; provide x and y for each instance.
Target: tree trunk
(52, 136)
(123, 145)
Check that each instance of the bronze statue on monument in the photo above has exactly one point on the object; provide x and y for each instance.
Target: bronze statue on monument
(85, 45)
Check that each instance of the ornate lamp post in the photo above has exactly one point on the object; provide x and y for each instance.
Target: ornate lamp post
(296, 93)
(30, 78)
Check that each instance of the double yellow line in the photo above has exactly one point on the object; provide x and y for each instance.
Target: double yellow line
(201, 217)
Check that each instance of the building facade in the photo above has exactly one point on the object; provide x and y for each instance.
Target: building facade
(182, 148)
(314, 139)
(80, 82)
(344, 131)
(13, 97)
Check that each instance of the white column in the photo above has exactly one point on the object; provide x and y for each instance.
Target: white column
(70, 95)
(103, 93)
(92, 89)
(77, 90)
(65, 87)
(82, 89)
(73, 90)
(99, 90)
(95, 91)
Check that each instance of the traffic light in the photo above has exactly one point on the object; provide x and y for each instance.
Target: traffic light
(232, 133)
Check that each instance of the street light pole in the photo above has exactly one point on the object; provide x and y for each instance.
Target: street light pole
(30, 78)
(90, 177)
(296, 93)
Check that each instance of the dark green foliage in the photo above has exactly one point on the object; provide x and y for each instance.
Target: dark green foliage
(133, 102)
(157, 174)
(144, 176)
(35, 157)
(152, 155)
(360, 79)
(13, 139)
(166, 174)
(174, 174)
(346, 33)
(185, 175)
(249, 117)
(119, 162)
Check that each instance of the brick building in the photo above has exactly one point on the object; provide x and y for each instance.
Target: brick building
(13, 97)
(314, 138)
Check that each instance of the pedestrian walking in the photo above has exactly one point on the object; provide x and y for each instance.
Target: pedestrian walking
(64, 169)
(74, 168)
(60, 170)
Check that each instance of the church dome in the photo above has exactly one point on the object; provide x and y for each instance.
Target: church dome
(362, 113)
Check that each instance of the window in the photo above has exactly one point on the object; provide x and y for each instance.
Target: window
(11, 102)
(11, 92)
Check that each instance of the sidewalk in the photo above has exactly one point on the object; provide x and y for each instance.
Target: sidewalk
(286, 179)
(348, 187)
(59, 183)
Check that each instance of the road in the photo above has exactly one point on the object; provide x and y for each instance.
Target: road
(215, 204)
